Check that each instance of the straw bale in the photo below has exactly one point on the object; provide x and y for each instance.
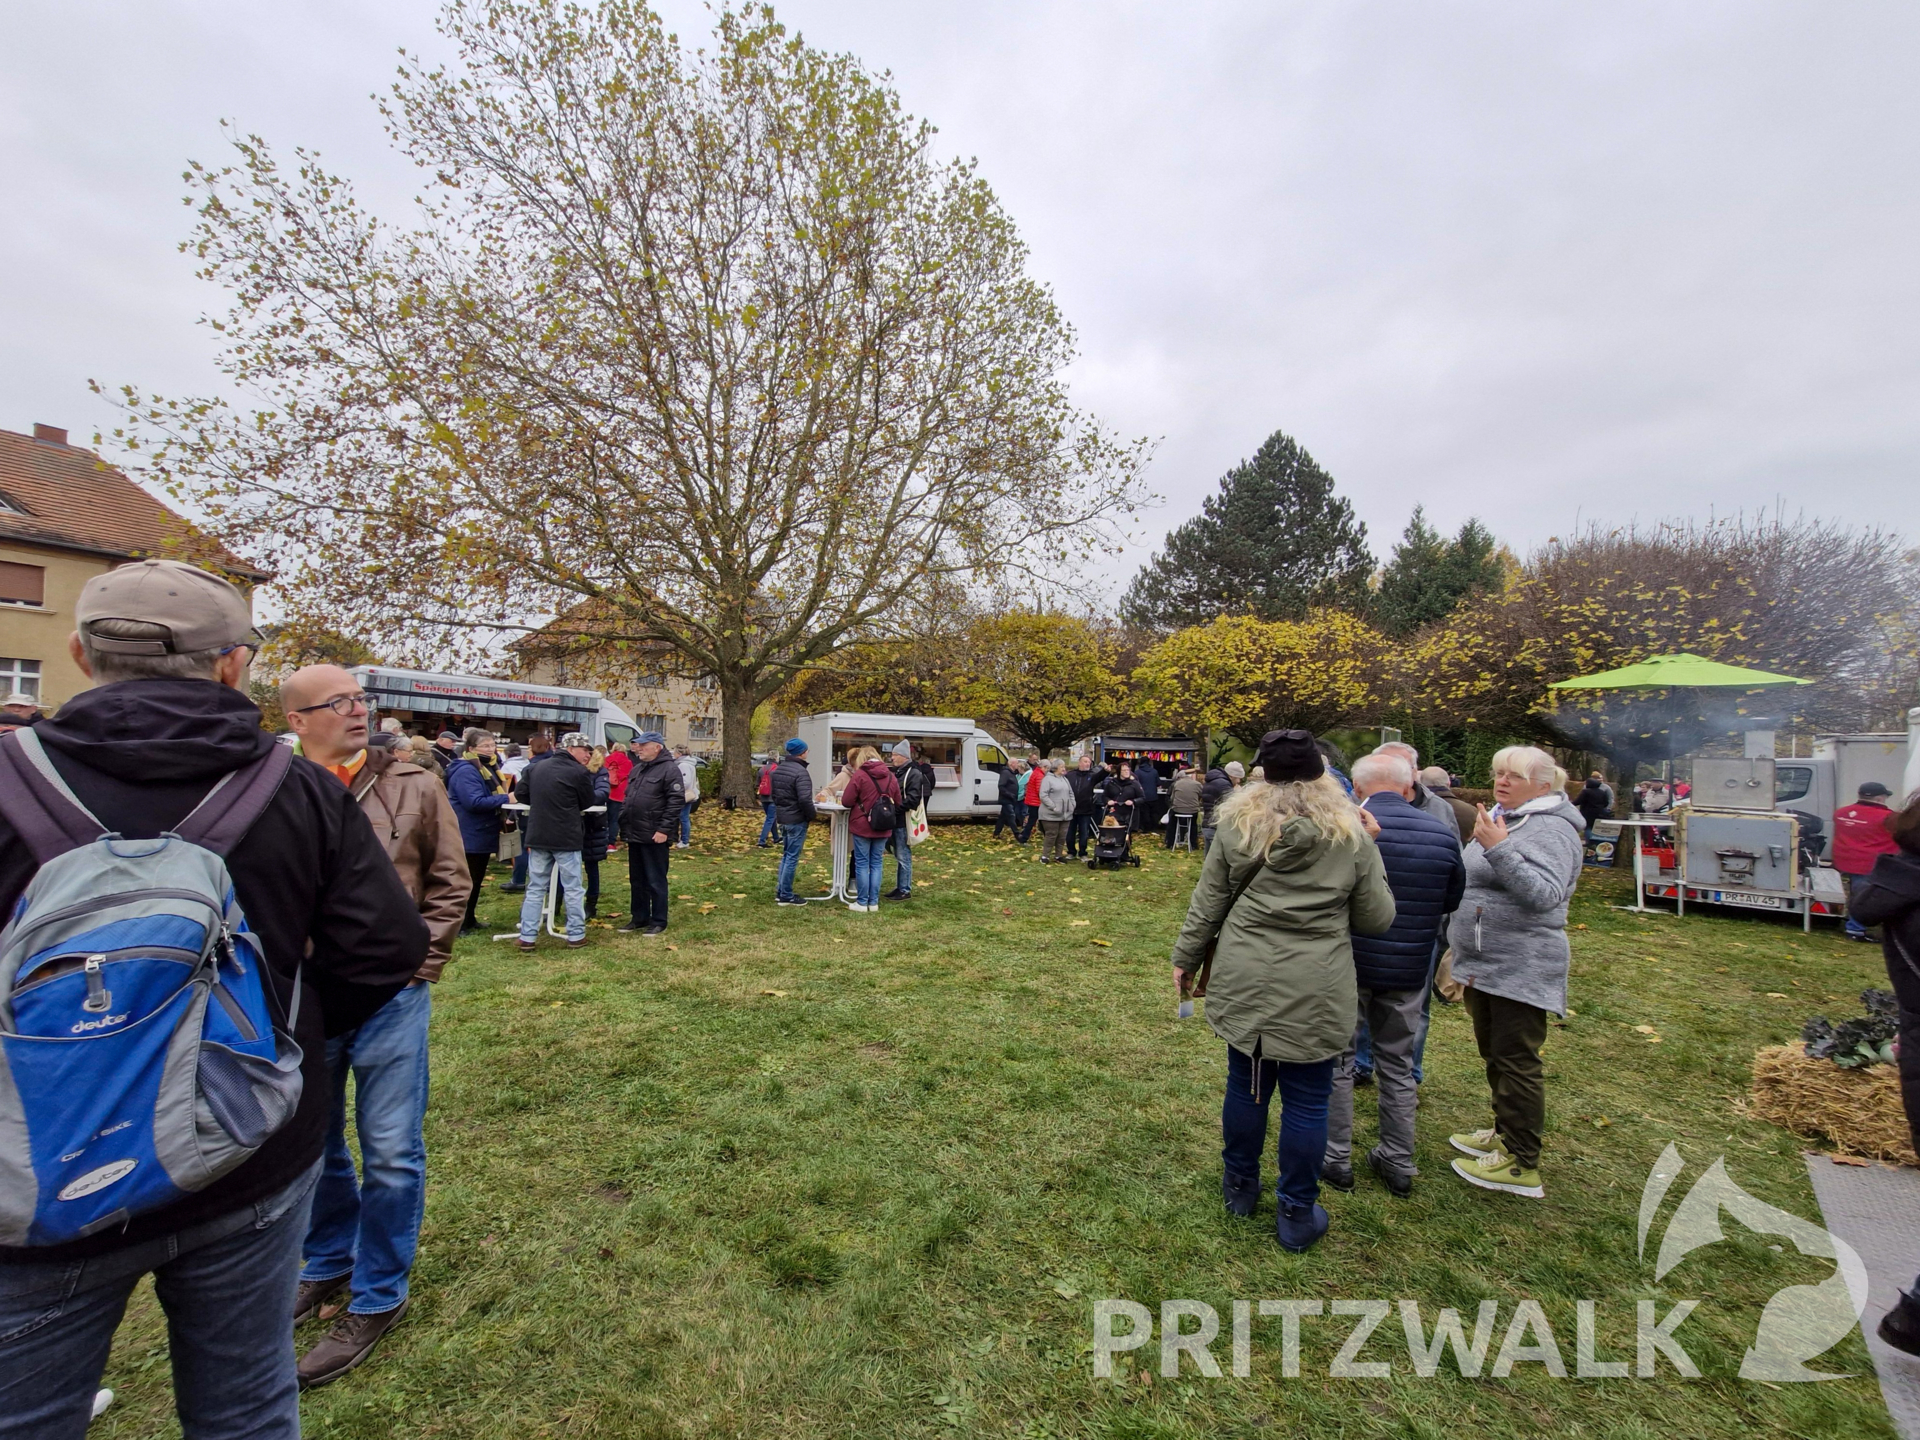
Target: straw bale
(1859, 1111)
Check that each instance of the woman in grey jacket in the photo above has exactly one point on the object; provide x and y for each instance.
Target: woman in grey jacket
(1509, 940)
(1056, 811)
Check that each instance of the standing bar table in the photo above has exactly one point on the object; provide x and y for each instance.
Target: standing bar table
(840, 850)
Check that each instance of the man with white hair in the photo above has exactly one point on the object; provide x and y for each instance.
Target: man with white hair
(1423, 798)
(1426, 874)
(558, 793)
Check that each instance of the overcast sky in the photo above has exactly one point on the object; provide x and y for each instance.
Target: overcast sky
(1528, 262)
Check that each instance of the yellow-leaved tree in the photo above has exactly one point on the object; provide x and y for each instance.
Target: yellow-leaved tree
(1248, 676)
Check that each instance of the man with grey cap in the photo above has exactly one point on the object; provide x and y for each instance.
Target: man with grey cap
(558, 793)
(168, 720)
(913, 791)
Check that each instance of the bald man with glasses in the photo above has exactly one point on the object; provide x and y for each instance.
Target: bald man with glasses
(365, 1232)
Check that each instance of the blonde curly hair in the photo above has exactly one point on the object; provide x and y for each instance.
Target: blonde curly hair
(1258, 811)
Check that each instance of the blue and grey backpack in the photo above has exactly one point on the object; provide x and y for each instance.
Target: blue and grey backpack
(139, 1058)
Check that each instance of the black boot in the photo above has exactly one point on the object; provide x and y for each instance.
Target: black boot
(1240, 1193)
(1900, 1326)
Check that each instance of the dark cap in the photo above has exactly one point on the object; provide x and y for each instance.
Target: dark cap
(199, 610)
(1873, 790)
(1290, 755)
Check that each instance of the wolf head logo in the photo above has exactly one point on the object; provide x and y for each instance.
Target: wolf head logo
(1799, 1322)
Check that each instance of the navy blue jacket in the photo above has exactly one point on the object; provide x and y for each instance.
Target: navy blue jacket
(475, 806)
(792, 792)
(1427, 877)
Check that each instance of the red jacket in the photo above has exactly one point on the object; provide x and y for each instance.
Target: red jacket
(1034, 777)
(869, 782)
(619, 765)
(1861, 835)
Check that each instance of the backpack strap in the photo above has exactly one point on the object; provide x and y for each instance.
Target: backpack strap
(221, 820)
(39, 803)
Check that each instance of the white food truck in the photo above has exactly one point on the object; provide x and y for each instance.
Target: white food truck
(427, 702)
(966, 760)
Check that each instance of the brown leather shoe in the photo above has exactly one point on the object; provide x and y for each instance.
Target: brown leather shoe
(350, 1341)
(575, 944)
(525, 945)
(319, 1299)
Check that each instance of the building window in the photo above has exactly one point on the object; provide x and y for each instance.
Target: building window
(703, 727)
(652, 680)
(706, 682)
(21, 675)
(22, 584)
(651, 722)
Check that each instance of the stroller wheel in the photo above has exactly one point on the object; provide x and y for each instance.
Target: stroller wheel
(1133, 859)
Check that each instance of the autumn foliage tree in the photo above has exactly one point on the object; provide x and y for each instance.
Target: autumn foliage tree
(707, 349)
(1246, 676)
(1801, 598)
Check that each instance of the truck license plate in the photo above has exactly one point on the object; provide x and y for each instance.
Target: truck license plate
(1753, 902)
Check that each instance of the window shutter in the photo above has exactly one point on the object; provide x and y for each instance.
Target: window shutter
(22, 584)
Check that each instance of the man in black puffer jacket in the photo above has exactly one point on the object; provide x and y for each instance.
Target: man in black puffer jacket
(793, 812)
(1009, 801)
(1889, 896)
(1086, 778)
(656, 794)
(1219, 785)
(1427, 877)
(558, 793)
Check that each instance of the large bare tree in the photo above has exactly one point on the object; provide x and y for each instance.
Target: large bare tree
(704, 348)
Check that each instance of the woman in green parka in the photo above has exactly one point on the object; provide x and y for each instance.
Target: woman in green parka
(1292, 873)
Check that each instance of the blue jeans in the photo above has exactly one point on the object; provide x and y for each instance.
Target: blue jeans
(1304, 1089)
(1362, 1049)
(1009, 819)
(902, 860)
(686, 824)
(1085, 828)
(540, 873)
(866, 868)
(370, 1228)
(520, 869)
(793, 839)
(227, 1288)
(769, 827)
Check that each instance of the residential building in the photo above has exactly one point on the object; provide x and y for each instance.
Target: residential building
(647, 685)
(66, 516)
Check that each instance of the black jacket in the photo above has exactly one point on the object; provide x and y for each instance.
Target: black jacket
(1119, 789)
(913, 785)
(141, 754)
(559, 789)
(655, 796)
(1219, 785)
(793, 793)
(1888, 896)
(1086, 788)
(1010, 786)
(1147, 775)
(599, 830)
(1594, 802)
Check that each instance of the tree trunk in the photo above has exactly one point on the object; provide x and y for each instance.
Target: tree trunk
(737, 780)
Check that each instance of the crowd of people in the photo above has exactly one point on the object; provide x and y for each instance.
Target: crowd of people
(1328, 912)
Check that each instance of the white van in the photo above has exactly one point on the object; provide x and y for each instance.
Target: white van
(966, 760)
(429, 702)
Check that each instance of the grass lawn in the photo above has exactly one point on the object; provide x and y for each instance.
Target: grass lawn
(811, 1173)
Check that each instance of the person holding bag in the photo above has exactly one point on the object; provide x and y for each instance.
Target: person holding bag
(872, 798)
(1292, 874)
(913, 797)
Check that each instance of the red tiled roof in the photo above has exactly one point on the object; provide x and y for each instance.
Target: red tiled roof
(75, 500)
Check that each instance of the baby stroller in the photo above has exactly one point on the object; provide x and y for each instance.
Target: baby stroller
(1113, 845)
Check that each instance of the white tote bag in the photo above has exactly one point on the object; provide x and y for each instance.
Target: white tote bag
(917, 825)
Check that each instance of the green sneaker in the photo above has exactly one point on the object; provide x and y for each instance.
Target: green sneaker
(1501, 1172)
(1480, 1144)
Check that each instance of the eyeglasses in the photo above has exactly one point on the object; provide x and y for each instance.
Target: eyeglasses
(339, 705)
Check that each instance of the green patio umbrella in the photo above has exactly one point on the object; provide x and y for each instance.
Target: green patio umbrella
(1682, 671)
(1678, 672)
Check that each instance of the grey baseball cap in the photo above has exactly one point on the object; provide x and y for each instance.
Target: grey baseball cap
(199, 610)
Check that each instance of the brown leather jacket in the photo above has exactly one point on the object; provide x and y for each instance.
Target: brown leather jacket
(408, 807)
